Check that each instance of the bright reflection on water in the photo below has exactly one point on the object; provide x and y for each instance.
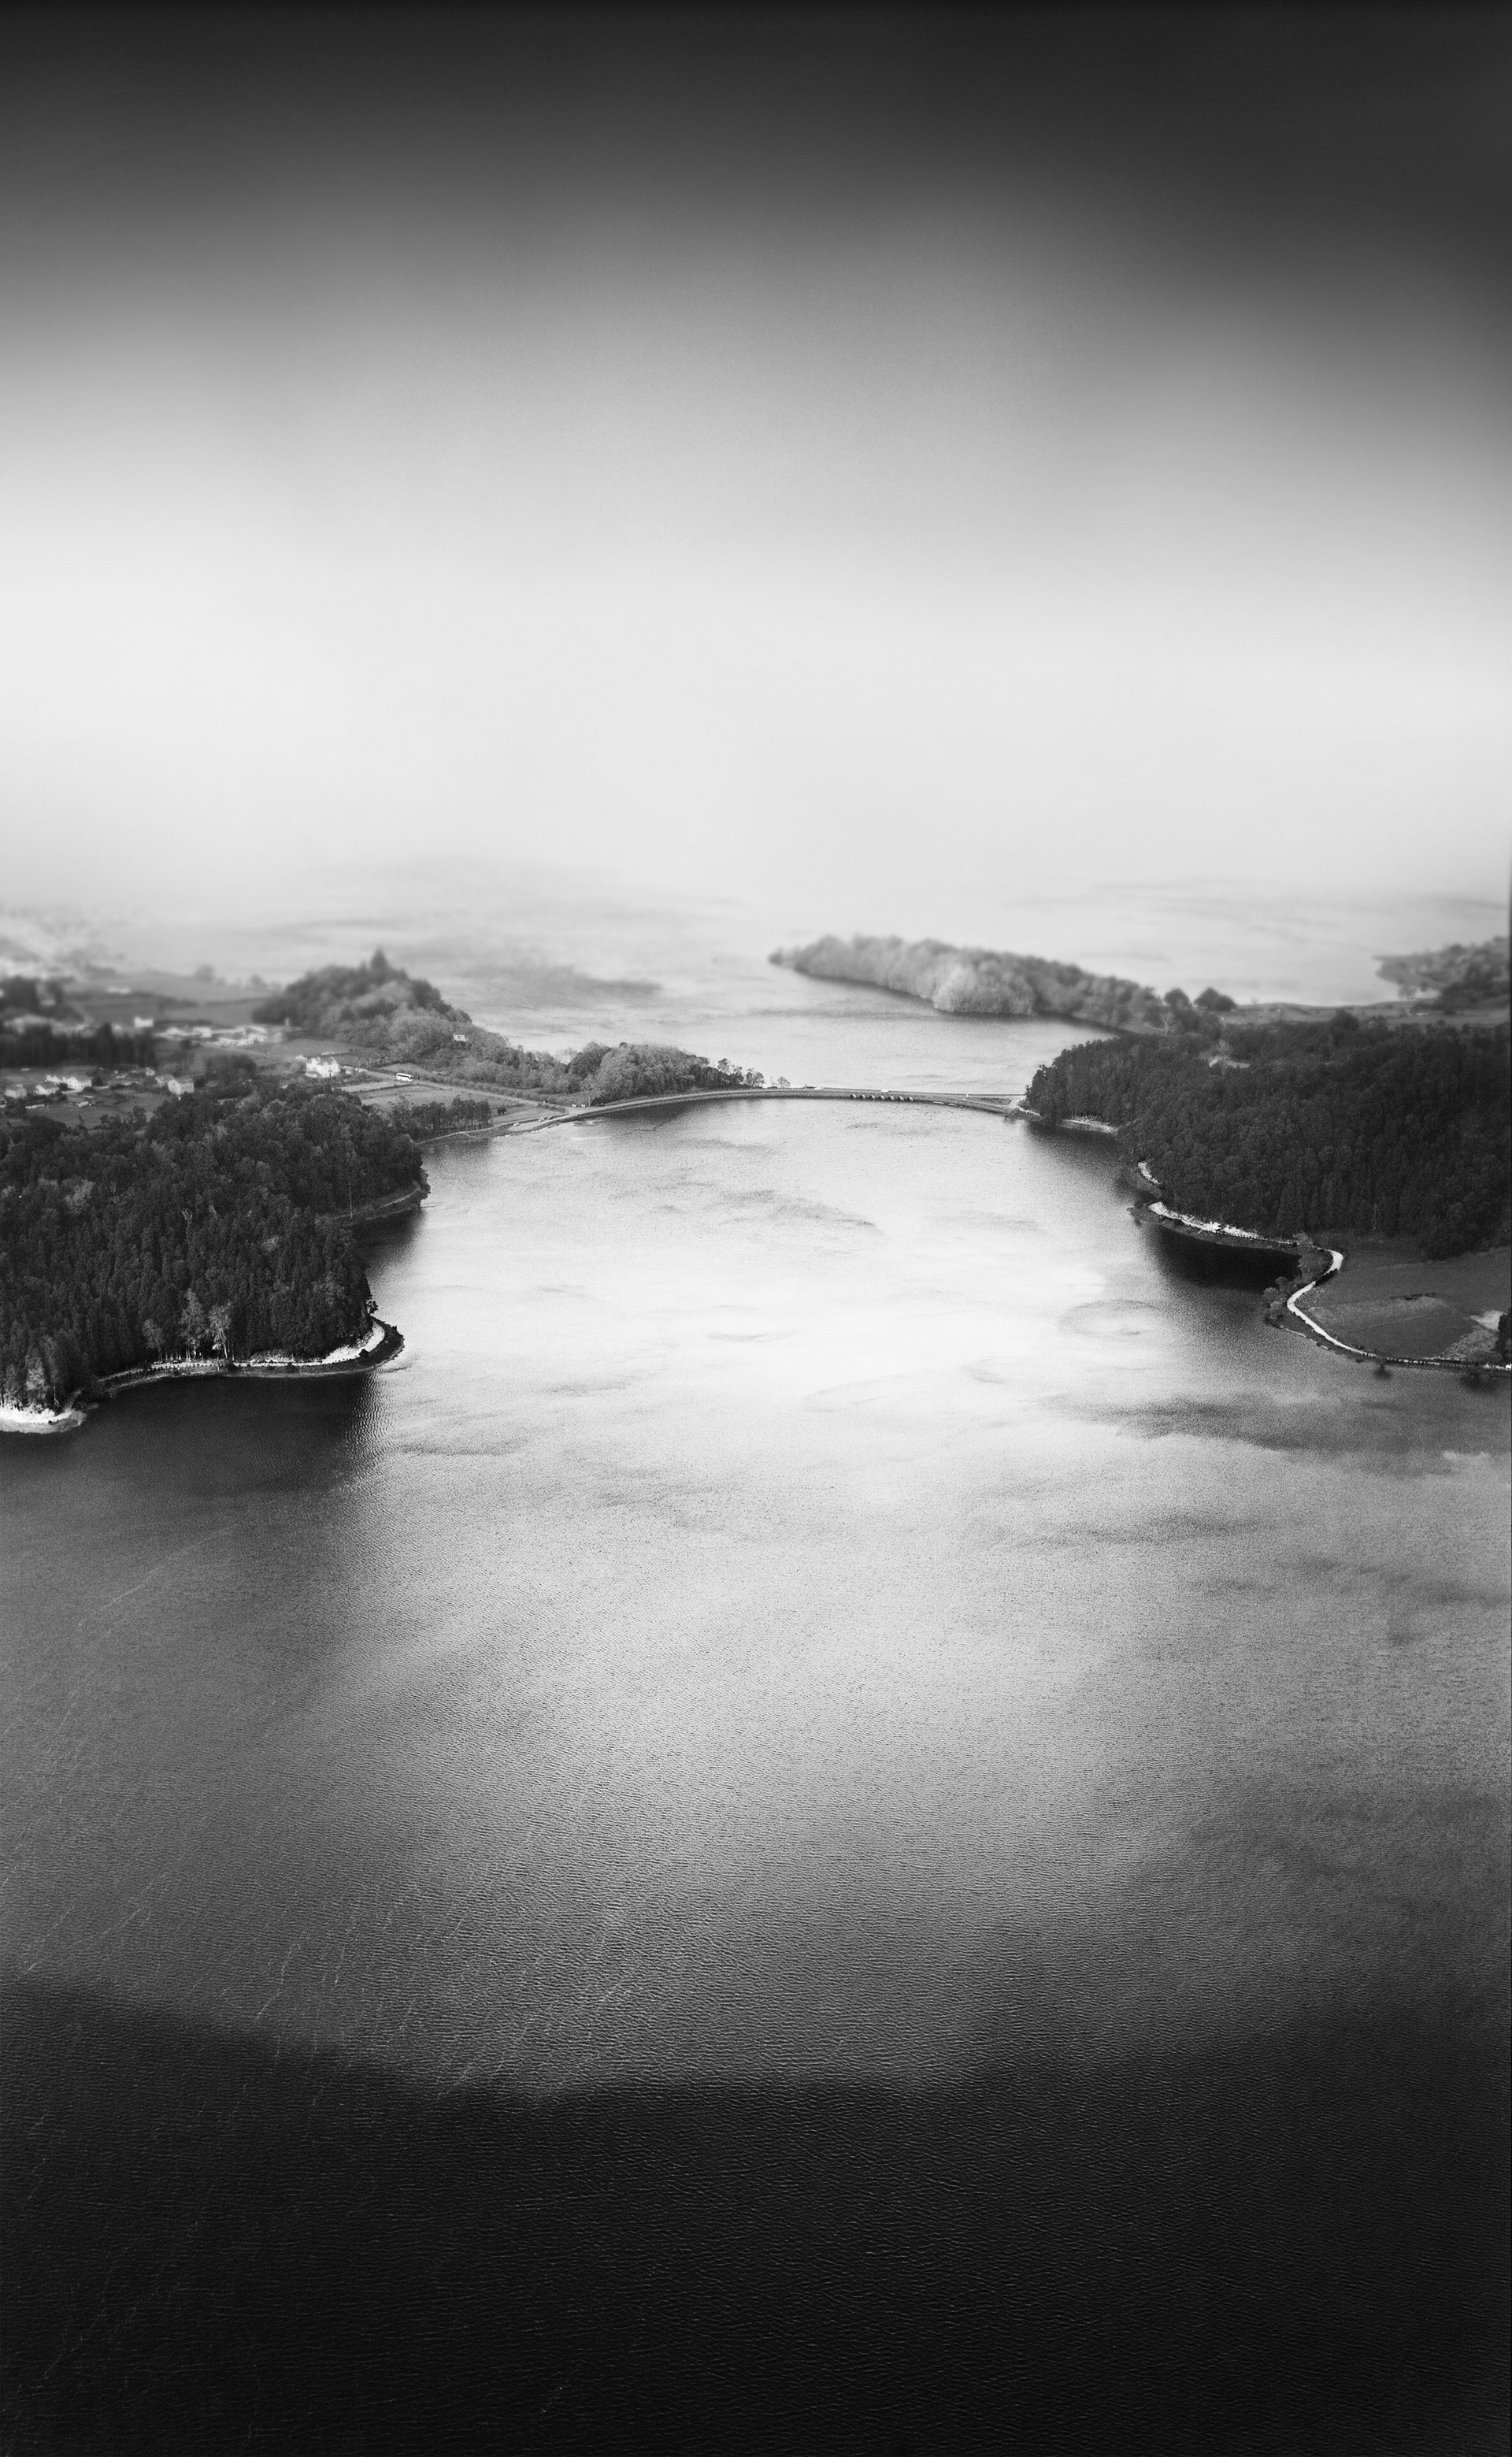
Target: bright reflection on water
(817, 1595)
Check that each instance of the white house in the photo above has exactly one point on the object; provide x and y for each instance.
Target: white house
(323, 1067)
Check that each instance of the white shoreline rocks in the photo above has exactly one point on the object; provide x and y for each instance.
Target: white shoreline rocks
(39, 1420)
(269, 1365)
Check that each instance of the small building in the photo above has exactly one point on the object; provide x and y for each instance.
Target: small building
(324, 1069)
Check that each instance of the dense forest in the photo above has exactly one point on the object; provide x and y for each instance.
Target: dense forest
(1321, 1127)
(393, 1018)
(205, 1230)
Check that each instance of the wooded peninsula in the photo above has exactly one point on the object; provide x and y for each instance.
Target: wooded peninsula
(1336, 1126)
(221, 1227)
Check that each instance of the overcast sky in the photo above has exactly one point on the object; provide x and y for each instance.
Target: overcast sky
(1044, 448)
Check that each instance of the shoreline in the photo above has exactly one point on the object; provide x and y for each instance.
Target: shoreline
(1314, 1330)
(1224, 1237)
(386, 1206)
(384, 1342)
(41, 1420)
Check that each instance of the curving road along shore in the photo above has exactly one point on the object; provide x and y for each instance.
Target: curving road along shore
(1377, 1355)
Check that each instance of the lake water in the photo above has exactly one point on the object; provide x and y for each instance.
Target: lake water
(844, 1807)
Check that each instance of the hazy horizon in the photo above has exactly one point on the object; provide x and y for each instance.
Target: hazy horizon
(869, 468)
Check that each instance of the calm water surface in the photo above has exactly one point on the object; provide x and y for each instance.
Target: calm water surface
(815, 1594)
(819, 1601)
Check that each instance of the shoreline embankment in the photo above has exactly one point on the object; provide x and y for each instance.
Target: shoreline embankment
(383, 1342)
(386, 1206)
(1222, 1235)
(1314, 1330)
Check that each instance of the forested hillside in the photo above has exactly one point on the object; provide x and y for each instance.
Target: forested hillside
(987, 980)
(393, 1018)
(1338, 1126)
(205, 1230)
(33, 1043)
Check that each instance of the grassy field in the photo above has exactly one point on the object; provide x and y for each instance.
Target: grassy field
(1387, 1298)
(1401, 1015)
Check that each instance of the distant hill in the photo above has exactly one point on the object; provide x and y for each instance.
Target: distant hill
(389, 1016)
(1457, 976)
(984, 981)
(372, 1005)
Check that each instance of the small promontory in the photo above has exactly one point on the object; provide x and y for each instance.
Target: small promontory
(219, 1229)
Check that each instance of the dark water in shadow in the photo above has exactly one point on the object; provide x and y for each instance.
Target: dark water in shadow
(1295, 2242)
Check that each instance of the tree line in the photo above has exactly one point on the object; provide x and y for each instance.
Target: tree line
(426, 1120)
(1334, 1125)
(636, 1069)
(29, 994)
(395, 1019)
(216, 1227)
(45, 1045)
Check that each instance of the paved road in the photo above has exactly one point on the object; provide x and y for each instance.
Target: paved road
(993, 1104)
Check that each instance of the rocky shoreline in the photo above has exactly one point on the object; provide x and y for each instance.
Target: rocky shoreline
(1316, 1267)
(383, 1343)
(386, 1206)
(1290, 1310)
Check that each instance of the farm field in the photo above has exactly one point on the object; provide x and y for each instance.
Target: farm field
(1388, 1298)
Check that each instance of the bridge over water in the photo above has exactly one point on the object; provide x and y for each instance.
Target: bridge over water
(993, 1105)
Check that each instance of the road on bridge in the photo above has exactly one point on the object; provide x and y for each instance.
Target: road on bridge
(990, 1105)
